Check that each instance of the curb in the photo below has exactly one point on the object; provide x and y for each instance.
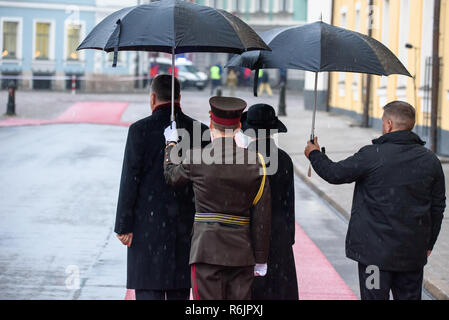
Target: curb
(430, 287)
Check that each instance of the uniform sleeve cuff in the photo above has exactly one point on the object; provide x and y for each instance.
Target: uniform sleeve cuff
(261, 257)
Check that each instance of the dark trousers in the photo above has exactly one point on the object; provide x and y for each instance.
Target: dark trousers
(403, 285)
(179, 294)
(212, 282)
(214, 84)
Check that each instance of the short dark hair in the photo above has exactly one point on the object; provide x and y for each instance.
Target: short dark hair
(161, 86)
(402, 114)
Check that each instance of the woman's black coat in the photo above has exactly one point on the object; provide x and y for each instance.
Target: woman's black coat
(280, 283)
(159, 216)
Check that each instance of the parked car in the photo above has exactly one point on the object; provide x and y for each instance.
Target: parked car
(188, 75)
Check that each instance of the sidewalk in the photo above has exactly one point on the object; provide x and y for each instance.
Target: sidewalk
(342, 139)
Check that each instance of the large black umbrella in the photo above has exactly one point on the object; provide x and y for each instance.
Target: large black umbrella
(320, 47)
(172, 26)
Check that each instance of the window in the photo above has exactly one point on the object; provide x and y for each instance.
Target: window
(386, 22)
(241, 5)
(73, 40)
(9, 50)
(233, 5)
(285, 6)
(358, 27)
(121, 57)
(385, 32)
(342, 75)
(343, 20)
(404, 27)
(42, 48)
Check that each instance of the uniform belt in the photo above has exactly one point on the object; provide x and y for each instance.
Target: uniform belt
(223, 218)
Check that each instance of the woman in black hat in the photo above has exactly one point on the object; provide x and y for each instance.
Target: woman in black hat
(280, 283)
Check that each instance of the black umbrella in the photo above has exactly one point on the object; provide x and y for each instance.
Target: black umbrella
(320, 47)
(172, 26)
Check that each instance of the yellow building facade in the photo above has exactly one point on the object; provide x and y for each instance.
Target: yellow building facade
(406, 27)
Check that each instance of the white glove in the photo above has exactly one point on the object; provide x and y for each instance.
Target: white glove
(260, 270)
(171, 133)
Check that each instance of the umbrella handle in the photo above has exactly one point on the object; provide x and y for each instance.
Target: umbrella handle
(256, 82)
(114, 62)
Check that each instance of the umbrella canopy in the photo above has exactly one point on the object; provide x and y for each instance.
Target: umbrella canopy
(163, 25)
(321, 47)
(172, 26)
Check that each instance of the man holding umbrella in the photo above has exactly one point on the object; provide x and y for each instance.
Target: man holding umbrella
(399, 200)
(154, 219)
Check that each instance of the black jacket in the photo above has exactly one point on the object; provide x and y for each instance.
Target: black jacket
(159, 215)
(280, 283)
(398, 204)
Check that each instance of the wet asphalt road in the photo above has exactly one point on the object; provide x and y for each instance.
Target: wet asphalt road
(58, 194)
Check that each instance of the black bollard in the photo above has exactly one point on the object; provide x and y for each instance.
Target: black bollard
(282, 105)
(11, 106)
(219, 92)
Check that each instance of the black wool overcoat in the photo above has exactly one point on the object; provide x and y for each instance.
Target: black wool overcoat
(159, 216)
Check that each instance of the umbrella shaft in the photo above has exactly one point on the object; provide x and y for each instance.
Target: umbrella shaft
(172, 118)
(312, 135)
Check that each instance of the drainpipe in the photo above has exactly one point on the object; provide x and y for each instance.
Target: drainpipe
(435, 76)
(365, 119)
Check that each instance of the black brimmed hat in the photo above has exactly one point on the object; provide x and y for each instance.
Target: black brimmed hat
(261, 116)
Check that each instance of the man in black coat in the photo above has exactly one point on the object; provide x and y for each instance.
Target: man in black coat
(398, 205)
(154, 219)
(280, 283)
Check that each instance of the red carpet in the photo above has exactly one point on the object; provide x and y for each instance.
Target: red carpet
(81, 112)
(94, 112)
(317, 279)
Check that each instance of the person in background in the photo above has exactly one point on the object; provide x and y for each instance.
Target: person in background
(280, 283)
(215, 76)
(231, 82)
(154, 220)
(247, 77)
(282, 77)
(176, 71)
(398, 205)
(264, 83)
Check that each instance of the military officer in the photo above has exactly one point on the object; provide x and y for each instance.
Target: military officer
(231, 231)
